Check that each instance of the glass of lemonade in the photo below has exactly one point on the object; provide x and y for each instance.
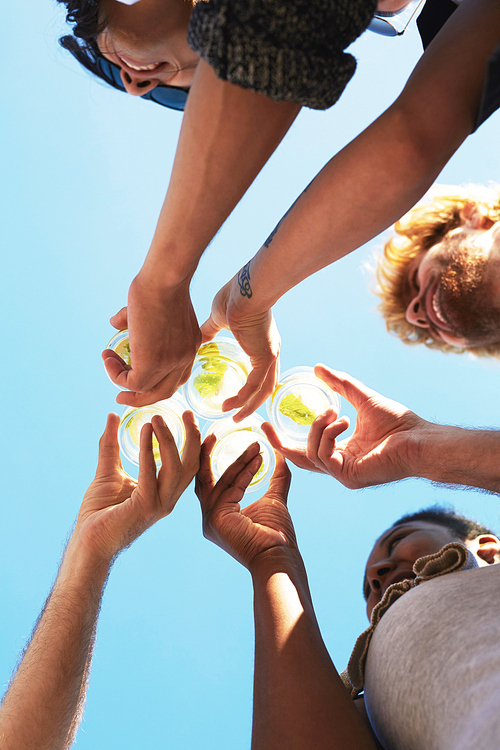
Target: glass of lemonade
(119, 344)
(232, 439)
(133, 418)
(220, 369)
(297, 400)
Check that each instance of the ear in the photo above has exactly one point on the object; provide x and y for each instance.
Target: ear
(471, 216)
(485, 547)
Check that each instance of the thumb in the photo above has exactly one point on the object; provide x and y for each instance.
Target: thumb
(280, 480)
(351, 389)
(273, 437)
(209, 329)
(119, 320)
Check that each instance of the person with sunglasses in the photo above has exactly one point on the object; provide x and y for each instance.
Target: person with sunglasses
(256, 66)
(231, 105)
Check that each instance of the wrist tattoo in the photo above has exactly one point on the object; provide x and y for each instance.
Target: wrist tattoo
(244, 281)
(271, 236)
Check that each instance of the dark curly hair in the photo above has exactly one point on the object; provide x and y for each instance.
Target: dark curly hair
(461, 526)
(82, 44)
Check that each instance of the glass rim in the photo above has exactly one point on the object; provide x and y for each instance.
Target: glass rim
(173, 420)
(265, 445)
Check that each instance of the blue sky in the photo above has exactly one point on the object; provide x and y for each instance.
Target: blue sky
(85, 171)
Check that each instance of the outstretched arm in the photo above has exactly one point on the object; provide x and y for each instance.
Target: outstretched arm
(228, 133)
(44, 703)
(371, 183)
(390, 442)
(299, 700)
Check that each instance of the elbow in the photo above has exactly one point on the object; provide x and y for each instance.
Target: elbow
(429, 138)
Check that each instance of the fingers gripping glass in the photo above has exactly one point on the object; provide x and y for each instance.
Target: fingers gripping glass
(396, 23)
(168, 96)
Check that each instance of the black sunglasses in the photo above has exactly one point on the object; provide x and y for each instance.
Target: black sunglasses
(168, 96)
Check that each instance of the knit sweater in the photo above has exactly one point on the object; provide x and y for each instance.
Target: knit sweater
(291, 50)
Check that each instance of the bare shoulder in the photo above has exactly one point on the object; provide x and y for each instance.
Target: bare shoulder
(360, 705)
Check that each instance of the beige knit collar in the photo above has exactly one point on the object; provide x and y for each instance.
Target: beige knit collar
(450, 559)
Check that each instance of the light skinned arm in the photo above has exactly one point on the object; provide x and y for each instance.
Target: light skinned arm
(228, 133)
(368, 185)
(43, 706)
(390, 443)
(299, 700)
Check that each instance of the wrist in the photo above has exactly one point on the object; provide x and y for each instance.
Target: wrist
(281, 559)
(84, 561)
(246, 298)
(279, 575)
(437, 452)
(166, 269)
(455, 455)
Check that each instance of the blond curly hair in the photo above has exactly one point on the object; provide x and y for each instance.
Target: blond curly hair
(420, 229)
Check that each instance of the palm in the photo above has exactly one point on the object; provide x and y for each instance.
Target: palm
(376, 452)
(103, 506)
(248, 532)
(377, 420)
(374, 449)
(106, 491)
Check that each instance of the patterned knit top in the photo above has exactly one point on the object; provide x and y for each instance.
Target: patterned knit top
(291, 50)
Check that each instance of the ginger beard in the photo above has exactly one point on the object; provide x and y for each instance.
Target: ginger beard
(465, 293)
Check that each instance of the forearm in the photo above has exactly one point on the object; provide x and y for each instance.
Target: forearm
(454, 455)
(374, 180)
(43, 705)
(227, 135)
(357, 195)
(299, 699)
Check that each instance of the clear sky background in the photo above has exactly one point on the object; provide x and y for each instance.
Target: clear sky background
(84, 173)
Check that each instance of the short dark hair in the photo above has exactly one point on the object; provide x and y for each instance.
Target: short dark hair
(84, 15)
(82, 44)
(463, 528)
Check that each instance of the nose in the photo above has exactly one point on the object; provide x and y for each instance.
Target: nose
(137, 86)
(414, 313)
(377, 573)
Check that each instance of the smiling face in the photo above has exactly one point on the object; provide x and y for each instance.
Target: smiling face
(453, 289)
(148, 41)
